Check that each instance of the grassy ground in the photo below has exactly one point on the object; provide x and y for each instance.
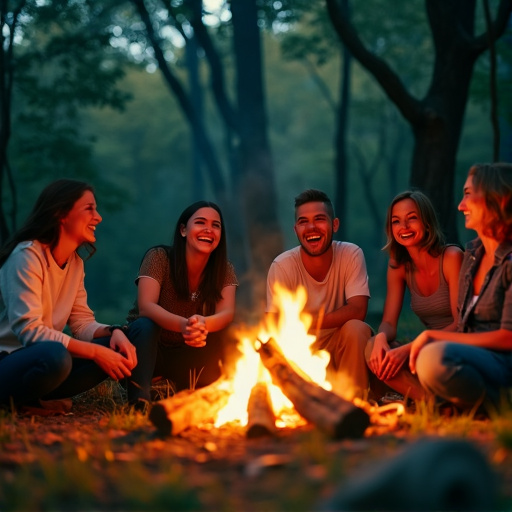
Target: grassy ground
(104, 456)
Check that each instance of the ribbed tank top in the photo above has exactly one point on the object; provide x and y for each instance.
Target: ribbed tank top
(433, 310)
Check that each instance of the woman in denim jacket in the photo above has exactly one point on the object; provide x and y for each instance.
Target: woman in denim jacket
(473, 366)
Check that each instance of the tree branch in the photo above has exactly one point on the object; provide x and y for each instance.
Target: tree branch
(385, 76)
(177, 89)
(495, 29)
(216, 69)
(493, 88)
(320, 82)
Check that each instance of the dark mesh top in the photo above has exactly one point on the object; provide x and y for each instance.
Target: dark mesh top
(156, 266)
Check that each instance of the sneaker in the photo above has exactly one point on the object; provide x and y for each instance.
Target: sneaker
(391, 397)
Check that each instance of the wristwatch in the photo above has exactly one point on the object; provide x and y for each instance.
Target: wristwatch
(113, 327)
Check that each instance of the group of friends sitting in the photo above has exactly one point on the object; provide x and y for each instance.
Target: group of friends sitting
(52, 347)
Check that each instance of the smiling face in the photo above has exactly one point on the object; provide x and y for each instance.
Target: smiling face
(314, 228)
(472, 206)
(79, 225)
(406, 224)
(203, 230)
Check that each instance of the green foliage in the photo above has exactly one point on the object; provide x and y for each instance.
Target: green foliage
(429, 417)
(61, 66)
(138, 153)
(144, 150)
(480, 87)
(79, 482)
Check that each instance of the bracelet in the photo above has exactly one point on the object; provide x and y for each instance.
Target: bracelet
(113, 327)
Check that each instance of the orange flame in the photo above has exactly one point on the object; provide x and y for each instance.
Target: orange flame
(291, 332)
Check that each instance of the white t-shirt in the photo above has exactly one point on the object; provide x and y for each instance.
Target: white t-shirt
(347, 277)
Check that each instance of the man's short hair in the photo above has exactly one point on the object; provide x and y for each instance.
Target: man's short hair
(315, 196)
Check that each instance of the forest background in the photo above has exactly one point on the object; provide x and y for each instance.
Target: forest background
(247, 103)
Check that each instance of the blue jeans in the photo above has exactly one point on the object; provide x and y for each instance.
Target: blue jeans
(463, 374)
(144, 334)
(46, 370)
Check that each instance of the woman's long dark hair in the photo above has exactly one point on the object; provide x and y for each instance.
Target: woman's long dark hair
(43, 223)
(210, 287)
(433, 241)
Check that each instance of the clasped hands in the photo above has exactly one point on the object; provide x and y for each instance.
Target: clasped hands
(194, 331)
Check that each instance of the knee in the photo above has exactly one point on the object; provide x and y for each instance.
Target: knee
(430, 363)
(57, 360)
(143, 330)
(357, 330)
(368, 349)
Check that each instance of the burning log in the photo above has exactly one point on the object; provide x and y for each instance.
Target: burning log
(332, 414)
(188, 408)
(262, 421)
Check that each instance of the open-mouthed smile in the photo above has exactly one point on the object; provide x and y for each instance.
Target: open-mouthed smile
(313, 237)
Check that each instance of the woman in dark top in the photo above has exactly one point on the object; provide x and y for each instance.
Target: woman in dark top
(473, 365)
(185, 301)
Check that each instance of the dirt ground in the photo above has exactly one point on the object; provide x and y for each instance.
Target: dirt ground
(96, 459)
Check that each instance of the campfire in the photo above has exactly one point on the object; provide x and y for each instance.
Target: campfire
(278, 382)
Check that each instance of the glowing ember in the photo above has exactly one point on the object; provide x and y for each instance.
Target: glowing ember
(295, 343)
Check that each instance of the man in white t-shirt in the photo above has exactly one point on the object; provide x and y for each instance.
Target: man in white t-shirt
(336, 281)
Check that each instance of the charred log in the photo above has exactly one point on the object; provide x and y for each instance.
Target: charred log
(189, 408)
(261, 418)
(331, 413)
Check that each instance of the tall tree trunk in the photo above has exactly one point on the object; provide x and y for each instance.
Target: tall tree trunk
(7, 31)
(196, 98)
(341, 161)
(436, 120)
(493, 84)
(201, 138)
(256, 186)
(506, 120)
(437, 130)
(239, 248)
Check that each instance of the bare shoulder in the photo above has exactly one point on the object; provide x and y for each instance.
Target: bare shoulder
(396, 270)
(452, 259)
(453, 253)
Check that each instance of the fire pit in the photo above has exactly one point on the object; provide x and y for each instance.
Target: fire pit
(274, 376)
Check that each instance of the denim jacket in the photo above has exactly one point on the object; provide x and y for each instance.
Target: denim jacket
(493, 309)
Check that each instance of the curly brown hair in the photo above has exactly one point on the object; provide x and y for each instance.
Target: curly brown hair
(494, 181)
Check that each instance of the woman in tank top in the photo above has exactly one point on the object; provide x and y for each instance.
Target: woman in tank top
(420, 261)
